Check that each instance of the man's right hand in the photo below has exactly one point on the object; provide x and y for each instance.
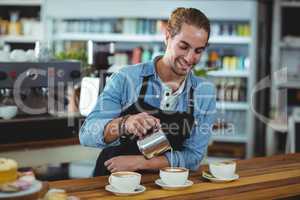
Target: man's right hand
(140, 124)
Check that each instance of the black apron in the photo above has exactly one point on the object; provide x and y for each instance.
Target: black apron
(184, 122)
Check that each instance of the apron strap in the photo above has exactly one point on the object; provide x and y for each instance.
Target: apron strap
(144, 88)
(191, 101)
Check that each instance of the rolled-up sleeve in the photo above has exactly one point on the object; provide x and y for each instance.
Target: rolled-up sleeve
(108, 106)
(195, 146)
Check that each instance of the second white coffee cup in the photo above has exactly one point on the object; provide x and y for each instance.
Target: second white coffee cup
(125, 181)
(174, 175)
(222, 170)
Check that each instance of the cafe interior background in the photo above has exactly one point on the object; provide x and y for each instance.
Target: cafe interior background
(56, 55)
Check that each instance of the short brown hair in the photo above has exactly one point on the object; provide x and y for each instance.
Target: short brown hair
(190, 16)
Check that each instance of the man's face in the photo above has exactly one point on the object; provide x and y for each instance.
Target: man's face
(185, 49)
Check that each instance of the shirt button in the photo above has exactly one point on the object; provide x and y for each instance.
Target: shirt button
(167, 94)
(167, 105)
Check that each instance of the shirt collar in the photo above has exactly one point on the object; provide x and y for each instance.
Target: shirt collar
(149, 70)
(149, 67)
(181, 88)
(178, 91)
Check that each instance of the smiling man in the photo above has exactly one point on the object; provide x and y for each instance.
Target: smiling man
(159, 94)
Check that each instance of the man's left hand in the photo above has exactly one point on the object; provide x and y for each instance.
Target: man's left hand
(124, 163)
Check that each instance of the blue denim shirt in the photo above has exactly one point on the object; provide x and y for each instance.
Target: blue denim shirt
(122, 89)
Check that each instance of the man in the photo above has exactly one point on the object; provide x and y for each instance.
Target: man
(143, 98)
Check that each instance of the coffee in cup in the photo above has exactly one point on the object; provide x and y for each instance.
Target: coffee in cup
(223, 170)
(125, 181)
(174, 175)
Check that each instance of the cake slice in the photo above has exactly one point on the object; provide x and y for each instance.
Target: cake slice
(8, 170)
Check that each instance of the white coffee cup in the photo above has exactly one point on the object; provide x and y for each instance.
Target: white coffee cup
(174, 175)
(125, 181)
(18, 55)
(8, 112)
(223, 170)
(4, 56)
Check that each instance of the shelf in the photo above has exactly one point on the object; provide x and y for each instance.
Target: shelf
(229, 40)
(45, 117)
(118, 37)
(292, 45)
(228, 73)
(20, 2)
(20, 39)
(289, 84)
(108, 37)
(228, 138)
(290, 3)
(232, 105)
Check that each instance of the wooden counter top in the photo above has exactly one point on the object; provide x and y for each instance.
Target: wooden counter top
(273, 177)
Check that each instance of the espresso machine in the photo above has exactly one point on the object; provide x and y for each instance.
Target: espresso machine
(39, 90)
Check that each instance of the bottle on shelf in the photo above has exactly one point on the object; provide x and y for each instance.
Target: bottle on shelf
(215, 29)
(240, 63)
(130, 26)
(230, 29)
(243, 91)
(217, 83)
(222, 89)
(3, 26)
(14, 24)
(231, 89)
(146, 55)
(236, 90)
(204, 60)
(243, 30)
(233, 63)
(226, 63)
(136, 55)
(214, 60)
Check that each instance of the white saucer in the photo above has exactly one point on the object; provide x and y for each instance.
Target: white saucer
(160, 183)
(210, 177)
(35, 187)
(140, 189)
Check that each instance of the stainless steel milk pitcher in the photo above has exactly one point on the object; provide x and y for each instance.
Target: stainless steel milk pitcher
(154, 144)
